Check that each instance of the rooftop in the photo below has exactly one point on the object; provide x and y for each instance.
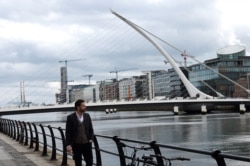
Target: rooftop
(231, 49)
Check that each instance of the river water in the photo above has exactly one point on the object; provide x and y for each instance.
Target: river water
(228, 132)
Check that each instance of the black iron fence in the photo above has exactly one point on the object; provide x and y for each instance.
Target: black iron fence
(53, 139)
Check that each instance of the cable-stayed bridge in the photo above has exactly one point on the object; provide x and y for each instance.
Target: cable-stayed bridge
(175, 105)
(199, 101)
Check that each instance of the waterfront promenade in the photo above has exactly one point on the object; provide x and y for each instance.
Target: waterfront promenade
(14, 154)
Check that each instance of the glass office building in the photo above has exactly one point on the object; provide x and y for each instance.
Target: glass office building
(162, 84)
(232, 63)
(169, 84)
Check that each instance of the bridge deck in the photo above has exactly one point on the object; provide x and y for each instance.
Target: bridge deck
(190, 105)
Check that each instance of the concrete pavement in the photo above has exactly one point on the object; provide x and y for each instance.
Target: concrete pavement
(14, 154)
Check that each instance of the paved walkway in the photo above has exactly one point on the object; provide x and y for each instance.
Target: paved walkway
(14, 154)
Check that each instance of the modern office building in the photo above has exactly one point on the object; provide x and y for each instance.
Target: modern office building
(177, 88)
(149, 82)
(73, 92)
(231, 62)
(132, 88)
(86, 92)
(162, 84)
(108, 90)
(223, 74)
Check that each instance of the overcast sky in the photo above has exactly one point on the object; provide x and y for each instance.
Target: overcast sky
(36, 34)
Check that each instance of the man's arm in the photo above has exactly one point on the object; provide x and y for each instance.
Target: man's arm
(69, 134)
(69, 131)
(91, 129)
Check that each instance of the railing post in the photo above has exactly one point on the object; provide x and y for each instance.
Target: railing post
(220, 160)
(120, 151)
(7, 127)
(157, 151)
(53, 140)
(31, 136)
(14, 129)
(36, 138)
(22, 133)
(10, 134)
(1, 124)
(64, 159)
(26, 133)
(10, 128)
(97, 152)
(44, 153)
(4, 126)
(17, 129)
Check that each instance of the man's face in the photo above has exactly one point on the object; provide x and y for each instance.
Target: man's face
(82, 107)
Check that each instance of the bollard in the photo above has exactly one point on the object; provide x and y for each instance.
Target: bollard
(107, 111)
(203, 109)
(176, 110)
(115, 110)
(242, 108)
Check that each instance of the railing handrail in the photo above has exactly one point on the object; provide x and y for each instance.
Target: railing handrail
(20, 133)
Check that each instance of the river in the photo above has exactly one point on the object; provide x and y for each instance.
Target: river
(228, 132)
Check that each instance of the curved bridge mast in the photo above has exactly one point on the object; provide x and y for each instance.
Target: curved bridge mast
(193, 91)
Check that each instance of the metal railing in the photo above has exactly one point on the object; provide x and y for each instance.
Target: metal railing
(36, 136)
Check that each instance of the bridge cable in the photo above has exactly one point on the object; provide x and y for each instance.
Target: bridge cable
(247, 90)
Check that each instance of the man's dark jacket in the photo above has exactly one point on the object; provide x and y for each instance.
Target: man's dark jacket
(72, 124)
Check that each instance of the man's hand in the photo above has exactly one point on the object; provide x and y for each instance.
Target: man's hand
(69, 149)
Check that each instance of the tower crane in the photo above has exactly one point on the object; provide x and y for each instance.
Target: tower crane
(66, 65)
(117, 71)
(66, 61)
(184, 55)
(179, 62)
(88, 75)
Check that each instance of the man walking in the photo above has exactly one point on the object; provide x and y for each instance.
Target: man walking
(80, 134)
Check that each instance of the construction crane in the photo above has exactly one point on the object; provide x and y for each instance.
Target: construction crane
(66, 61)
(179, 62)
(66, 65)
(64, 85)
(88, 75)
(117, 71)
(184, 55)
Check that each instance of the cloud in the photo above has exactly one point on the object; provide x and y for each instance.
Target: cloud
(36, 35)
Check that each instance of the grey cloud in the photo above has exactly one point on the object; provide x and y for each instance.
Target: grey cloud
(104, 41)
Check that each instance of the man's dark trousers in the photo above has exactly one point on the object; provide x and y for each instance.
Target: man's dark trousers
(84, 150)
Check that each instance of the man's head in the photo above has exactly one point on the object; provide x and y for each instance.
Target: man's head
(80, 105)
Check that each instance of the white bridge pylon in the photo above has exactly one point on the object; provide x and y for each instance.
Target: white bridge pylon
(192, 90)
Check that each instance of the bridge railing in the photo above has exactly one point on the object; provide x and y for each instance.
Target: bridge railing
(53, 139)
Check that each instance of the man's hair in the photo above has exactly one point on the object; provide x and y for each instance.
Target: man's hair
(78, 103)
